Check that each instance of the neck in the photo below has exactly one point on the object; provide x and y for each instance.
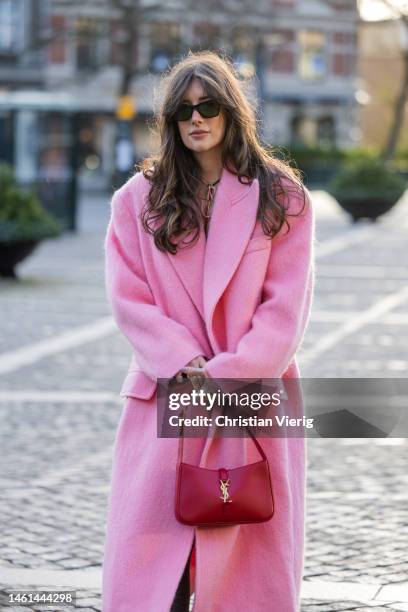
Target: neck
(210, 165)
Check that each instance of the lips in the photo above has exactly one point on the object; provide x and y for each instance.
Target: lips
(198, 133)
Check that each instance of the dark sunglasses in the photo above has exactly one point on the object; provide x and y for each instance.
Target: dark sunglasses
(207, 109)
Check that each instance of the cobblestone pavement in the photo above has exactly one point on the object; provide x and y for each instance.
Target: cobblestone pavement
(62, 363)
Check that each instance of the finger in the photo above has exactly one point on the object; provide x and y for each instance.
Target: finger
(200, 372)
(192, 371)
(196, 362)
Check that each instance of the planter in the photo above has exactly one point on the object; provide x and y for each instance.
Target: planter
(368, 188)
(12, 253)
(23, 222)
(369, 206)
(318, 176)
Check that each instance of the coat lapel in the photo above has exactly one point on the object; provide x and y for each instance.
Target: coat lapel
(232, 222)
(206, 268)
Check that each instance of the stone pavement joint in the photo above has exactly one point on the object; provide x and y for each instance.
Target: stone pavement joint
(28, 355)
(355, 323)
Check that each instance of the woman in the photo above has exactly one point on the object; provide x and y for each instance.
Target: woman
(209, 272)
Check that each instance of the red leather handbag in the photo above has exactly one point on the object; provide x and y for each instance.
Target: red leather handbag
(221, 497)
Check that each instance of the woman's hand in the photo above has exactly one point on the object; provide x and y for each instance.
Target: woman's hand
(194, 371)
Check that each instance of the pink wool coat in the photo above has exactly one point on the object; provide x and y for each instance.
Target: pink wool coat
(243, 302)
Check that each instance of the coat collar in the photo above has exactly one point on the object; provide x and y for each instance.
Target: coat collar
(206, 268)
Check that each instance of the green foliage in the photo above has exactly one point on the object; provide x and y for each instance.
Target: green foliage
(307, 156)
(22, 216)
(367, 178)
(401, 160)
(357, 154)
(402, 154)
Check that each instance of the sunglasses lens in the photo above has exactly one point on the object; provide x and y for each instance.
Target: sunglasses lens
(183, 113)
(209, 109)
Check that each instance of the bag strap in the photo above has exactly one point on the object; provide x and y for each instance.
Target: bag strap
(181, 444)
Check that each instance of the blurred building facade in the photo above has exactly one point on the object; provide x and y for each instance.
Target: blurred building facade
(20, 23)
(382, 45)
(67, 72)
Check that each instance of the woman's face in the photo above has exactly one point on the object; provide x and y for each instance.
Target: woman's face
(212, 130)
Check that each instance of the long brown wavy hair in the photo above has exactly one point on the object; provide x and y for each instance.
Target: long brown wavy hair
(172, 205)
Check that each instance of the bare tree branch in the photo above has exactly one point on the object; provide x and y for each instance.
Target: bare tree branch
(390, 148)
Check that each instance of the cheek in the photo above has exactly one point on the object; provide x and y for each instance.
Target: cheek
(182, 131)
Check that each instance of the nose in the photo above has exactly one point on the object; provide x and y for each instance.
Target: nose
(196, 115)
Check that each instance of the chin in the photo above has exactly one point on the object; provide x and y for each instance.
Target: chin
(198, 149)
(202, 147)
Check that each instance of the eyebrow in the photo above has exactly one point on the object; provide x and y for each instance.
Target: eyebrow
(202, 98)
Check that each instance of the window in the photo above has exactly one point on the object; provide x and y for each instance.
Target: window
(343, 53)
(10, 26)
(313, 131)
(57, 49)
(244, 51)
(326, 134)
(88, 37)
(165, 44)
(206, 35)
(303, 131)
(312, 56)
(280, 45)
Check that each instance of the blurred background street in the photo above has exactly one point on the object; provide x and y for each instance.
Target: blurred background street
(76, 95)
(61, 371)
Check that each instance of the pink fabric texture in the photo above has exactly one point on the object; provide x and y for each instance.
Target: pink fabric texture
(243, 302)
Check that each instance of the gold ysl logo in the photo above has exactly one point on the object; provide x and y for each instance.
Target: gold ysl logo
(224, 484)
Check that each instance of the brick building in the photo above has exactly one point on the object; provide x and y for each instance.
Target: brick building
(303, 54)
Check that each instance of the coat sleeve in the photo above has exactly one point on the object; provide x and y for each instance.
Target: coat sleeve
(279, 322)
(161, 345)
